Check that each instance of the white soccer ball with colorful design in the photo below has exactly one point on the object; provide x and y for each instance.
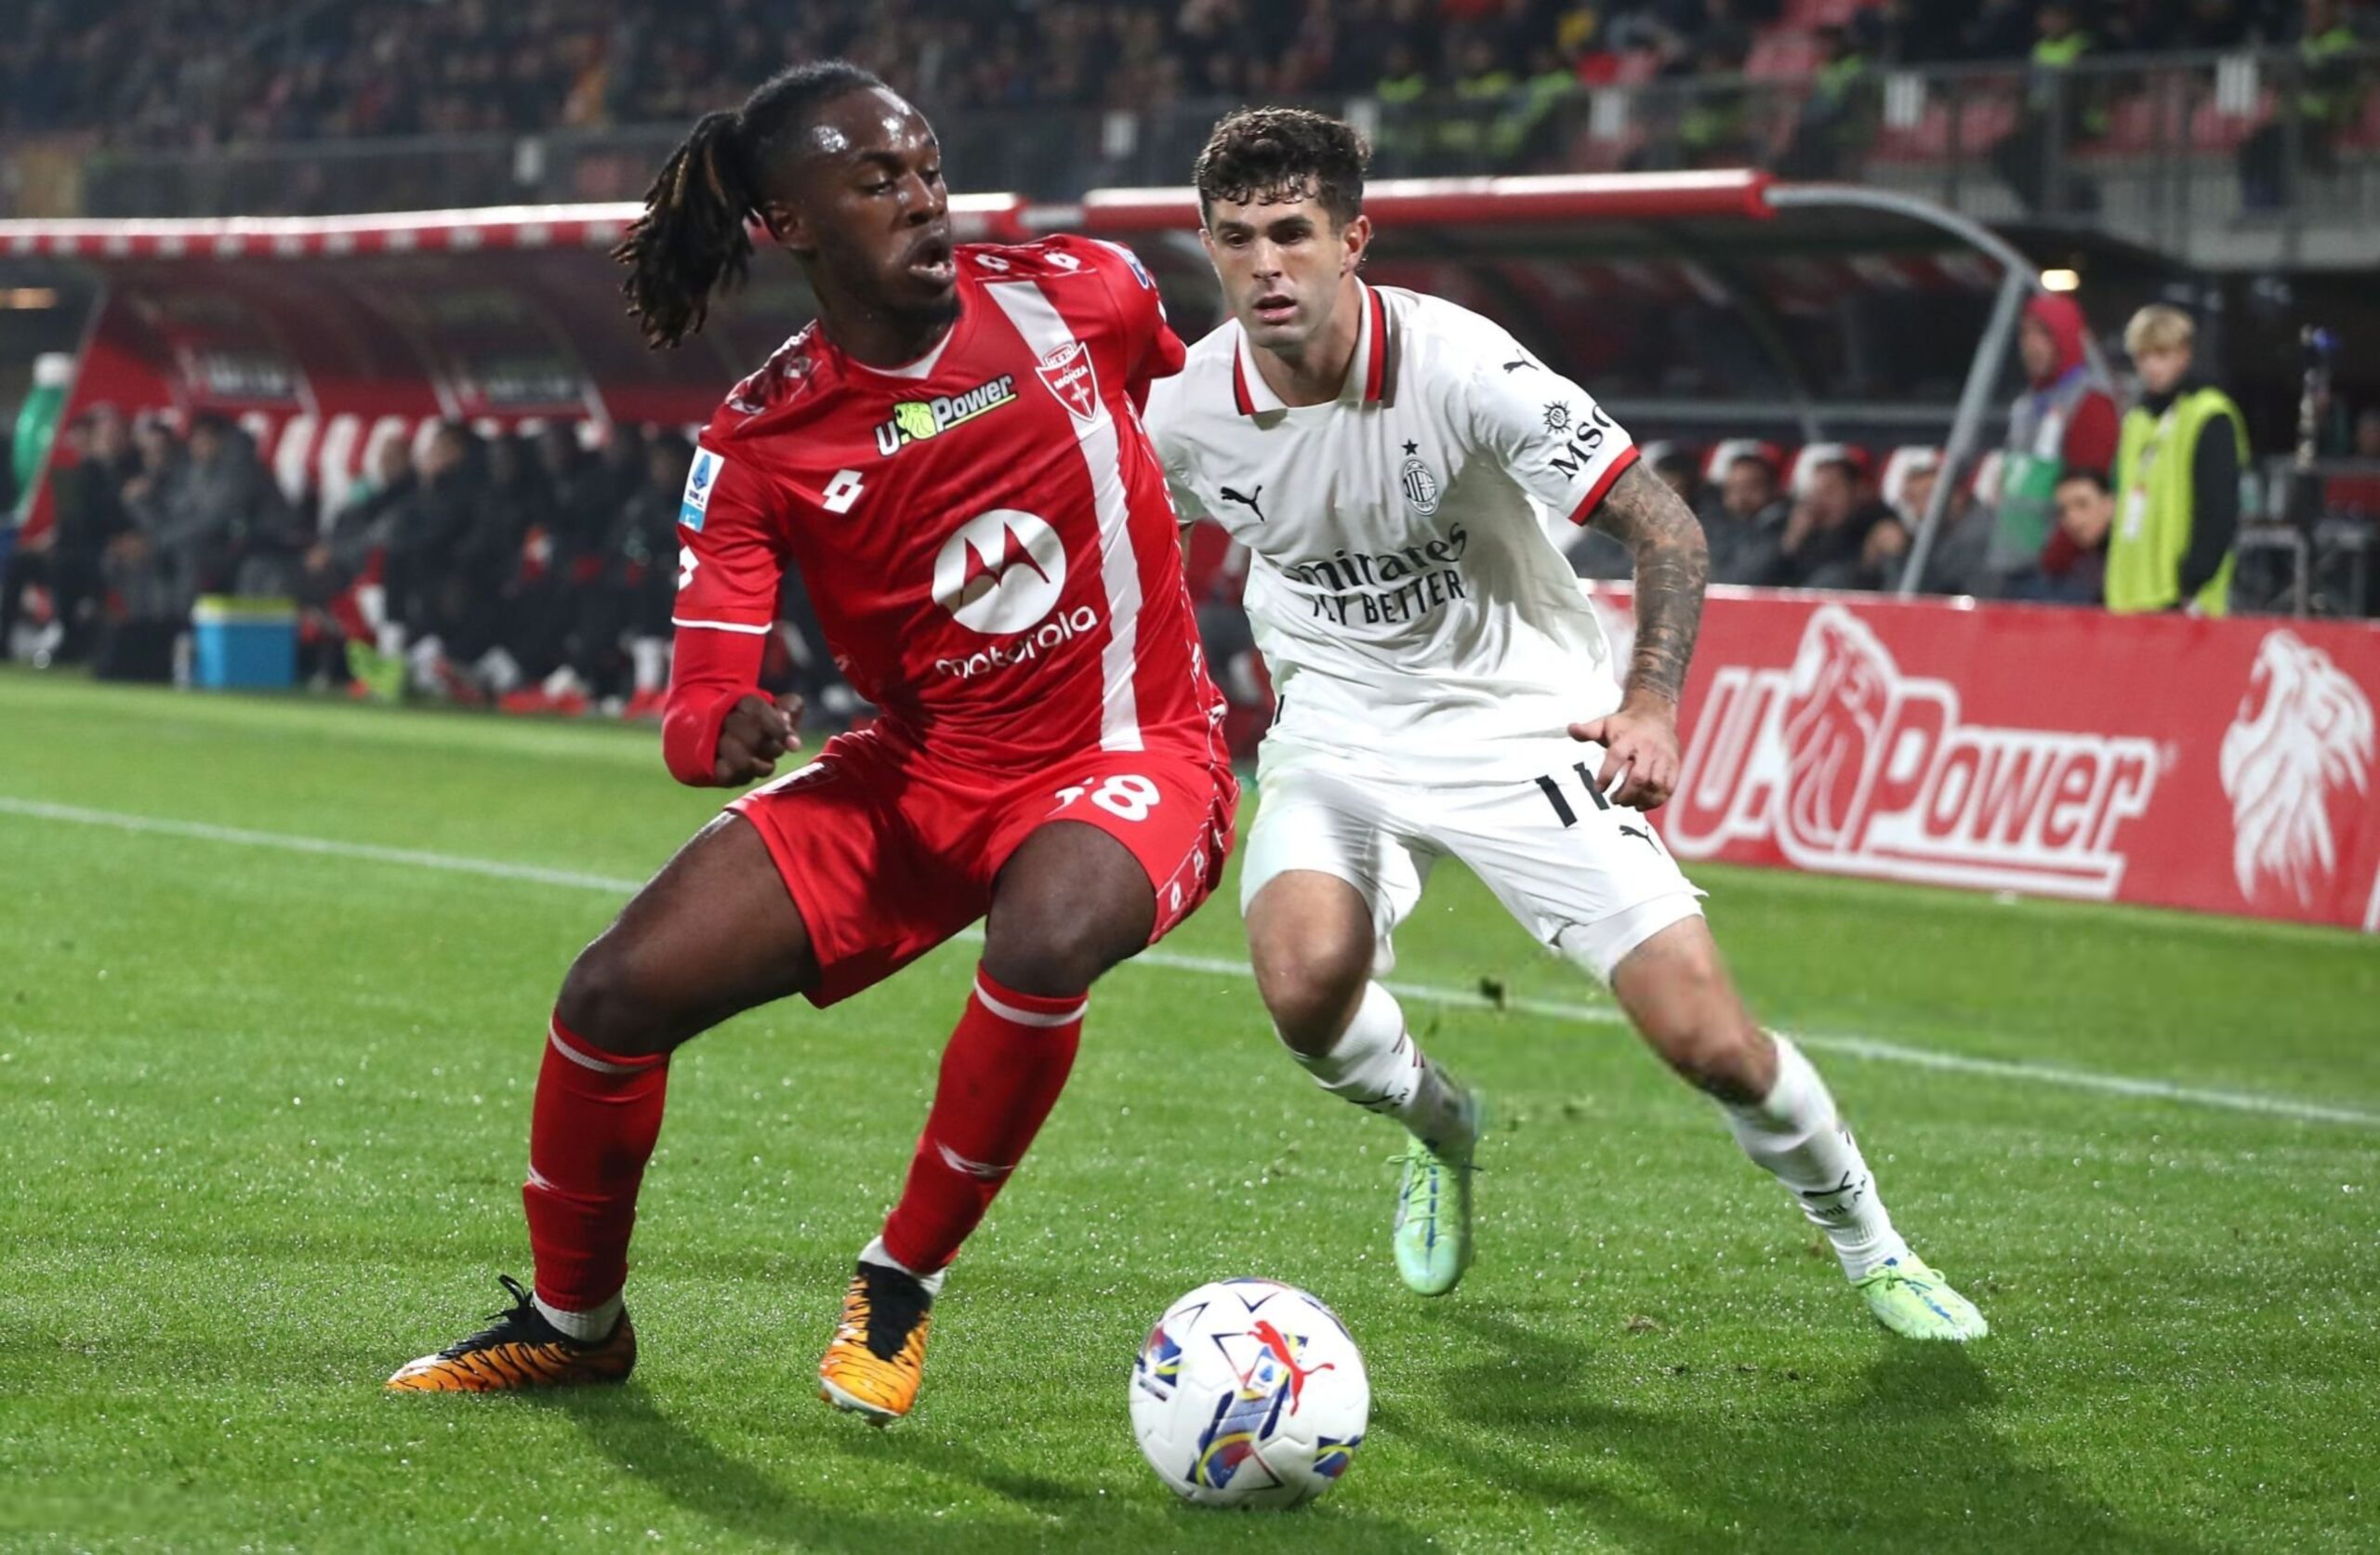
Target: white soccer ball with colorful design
(1249, 1393)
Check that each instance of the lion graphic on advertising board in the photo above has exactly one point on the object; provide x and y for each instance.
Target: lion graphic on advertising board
(2303, 730)
(1840, 693)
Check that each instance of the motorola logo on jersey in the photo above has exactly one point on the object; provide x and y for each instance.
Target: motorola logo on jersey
(1002, 572)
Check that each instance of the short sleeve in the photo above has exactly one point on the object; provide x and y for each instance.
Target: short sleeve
(1150, 344)
(1173, 452)
(1561, 447)
(728, 567)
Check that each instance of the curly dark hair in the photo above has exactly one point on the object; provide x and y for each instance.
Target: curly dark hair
(1261, 155)
(691, 243)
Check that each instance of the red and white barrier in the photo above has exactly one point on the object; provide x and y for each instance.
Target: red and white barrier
(2225, 765)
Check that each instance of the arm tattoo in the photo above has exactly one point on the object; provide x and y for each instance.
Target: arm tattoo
(1673, 564)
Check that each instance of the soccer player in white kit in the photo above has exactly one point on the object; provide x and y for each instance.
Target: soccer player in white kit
(1396, 467)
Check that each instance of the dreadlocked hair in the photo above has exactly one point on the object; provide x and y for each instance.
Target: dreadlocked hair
(692, 242)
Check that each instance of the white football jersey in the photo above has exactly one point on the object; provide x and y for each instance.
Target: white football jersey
(1405, 583)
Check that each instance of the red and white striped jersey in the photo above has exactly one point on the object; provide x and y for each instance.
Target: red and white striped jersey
(985, 534)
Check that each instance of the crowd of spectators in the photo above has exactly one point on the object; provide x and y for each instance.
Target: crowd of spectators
(190, 74)
(526, 570)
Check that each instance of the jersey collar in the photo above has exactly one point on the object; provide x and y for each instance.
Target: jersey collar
(1372, 377)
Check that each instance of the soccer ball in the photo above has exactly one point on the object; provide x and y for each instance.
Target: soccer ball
(1249, 1393)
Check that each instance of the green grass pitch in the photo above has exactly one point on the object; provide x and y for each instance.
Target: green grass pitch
(263, 1113)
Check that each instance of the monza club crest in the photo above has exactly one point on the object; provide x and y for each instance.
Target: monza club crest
(1069, 375)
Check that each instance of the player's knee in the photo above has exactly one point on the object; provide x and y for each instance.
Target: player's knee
(1724, 1059)
(609, 1003)
(1677, 990)
(1051, 951)
(1311, 982)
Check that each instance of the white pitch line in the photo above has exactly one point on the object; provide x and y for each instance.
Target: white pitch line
(288, 842)
(1214, 966)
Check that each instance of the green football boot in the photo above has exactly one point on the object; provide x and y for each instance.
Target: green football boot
(1917, 1303)
(1432, 1227)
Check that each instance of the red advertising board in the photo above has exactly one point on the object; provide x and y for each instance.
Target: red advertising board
(2226, 766)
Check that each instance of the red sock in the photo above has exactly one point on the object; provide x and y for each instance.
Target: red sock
(1000, 1075)
(590, 1132)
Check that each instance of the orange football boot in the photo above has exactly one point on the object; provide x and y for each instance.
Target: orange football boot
(521, 1350)
(878, 1353)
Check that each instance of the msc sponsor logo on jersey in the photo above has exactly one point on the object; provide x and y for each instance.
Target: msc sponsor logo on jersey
(702, 479)
(1854, 767)
(1577, 439)
(1069, 375)
(915, 420)
(1373, 588)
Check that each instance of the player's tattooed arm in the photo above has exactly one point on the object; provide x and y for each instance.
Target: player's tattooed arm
(1641, 756)
(1673, 566)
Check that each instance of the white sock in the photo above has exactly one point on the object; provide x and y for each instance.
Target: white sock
(426, 662)
(651, 657)
(874, 1253)
(587, 1327)
(500, 670)
(1377, 1065)
(1796, 1135)
(392, 636)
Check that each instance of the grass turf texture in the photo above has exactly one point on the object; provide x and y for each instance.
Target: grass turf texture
(265, 1115)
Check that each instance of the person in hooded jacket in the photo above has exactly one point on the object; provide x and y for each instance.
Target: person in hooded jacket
(2066, 420)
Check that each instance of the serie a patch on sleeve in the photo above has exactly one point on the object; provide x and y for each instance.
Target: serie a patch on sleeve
(701, 480)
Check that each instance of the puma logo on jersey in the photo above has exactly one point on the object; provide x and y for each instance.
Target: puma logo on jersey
(1640, 835)
(1248, 502)
(1516, 365)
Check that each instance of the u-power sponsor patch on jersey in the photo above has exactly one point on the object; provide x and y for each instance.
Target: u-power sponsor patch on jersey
(915, 420)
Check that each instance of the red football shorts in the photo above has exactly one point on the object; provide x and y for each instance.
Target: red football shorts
(888, 854)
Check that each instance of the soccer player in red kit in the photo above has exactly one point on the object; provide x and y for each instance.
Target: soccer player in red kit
(953, 458)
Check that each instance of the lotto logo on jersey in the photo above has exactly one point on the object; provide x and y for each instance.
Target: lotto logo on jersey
(701, 480)
(1071, 377)
(915, 420)
(1001, 573)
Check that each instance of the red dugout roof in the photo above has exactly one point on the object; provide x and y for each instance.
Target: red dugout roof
(978, 217)
(1741, 192)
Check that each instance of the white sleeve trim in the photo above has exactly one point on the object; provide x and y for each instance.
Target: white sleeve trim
(720, 626)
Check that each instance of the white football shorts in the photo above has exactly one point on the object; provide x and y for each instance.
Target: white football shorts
(1582, 875)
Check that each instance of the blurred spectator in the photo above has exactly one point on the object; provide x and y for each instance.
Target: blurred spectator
(2074, 564)
(1745, 528)
(1680, 470)
(89, 515)
(2066, 420)
(2177, 478)
(1955, 561)
(1825, 544)
(2061, 109)
(2329, 99)
(216, 508)
(1838, 119)
(1710, 126)
(2367, 433)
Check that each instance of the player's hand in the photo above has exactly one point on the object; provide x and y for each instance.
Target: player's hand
(1640, 760)
(755, 733)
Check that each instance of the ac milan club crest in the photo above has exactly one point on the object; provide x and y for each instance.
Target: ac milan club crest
(1069, 374)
